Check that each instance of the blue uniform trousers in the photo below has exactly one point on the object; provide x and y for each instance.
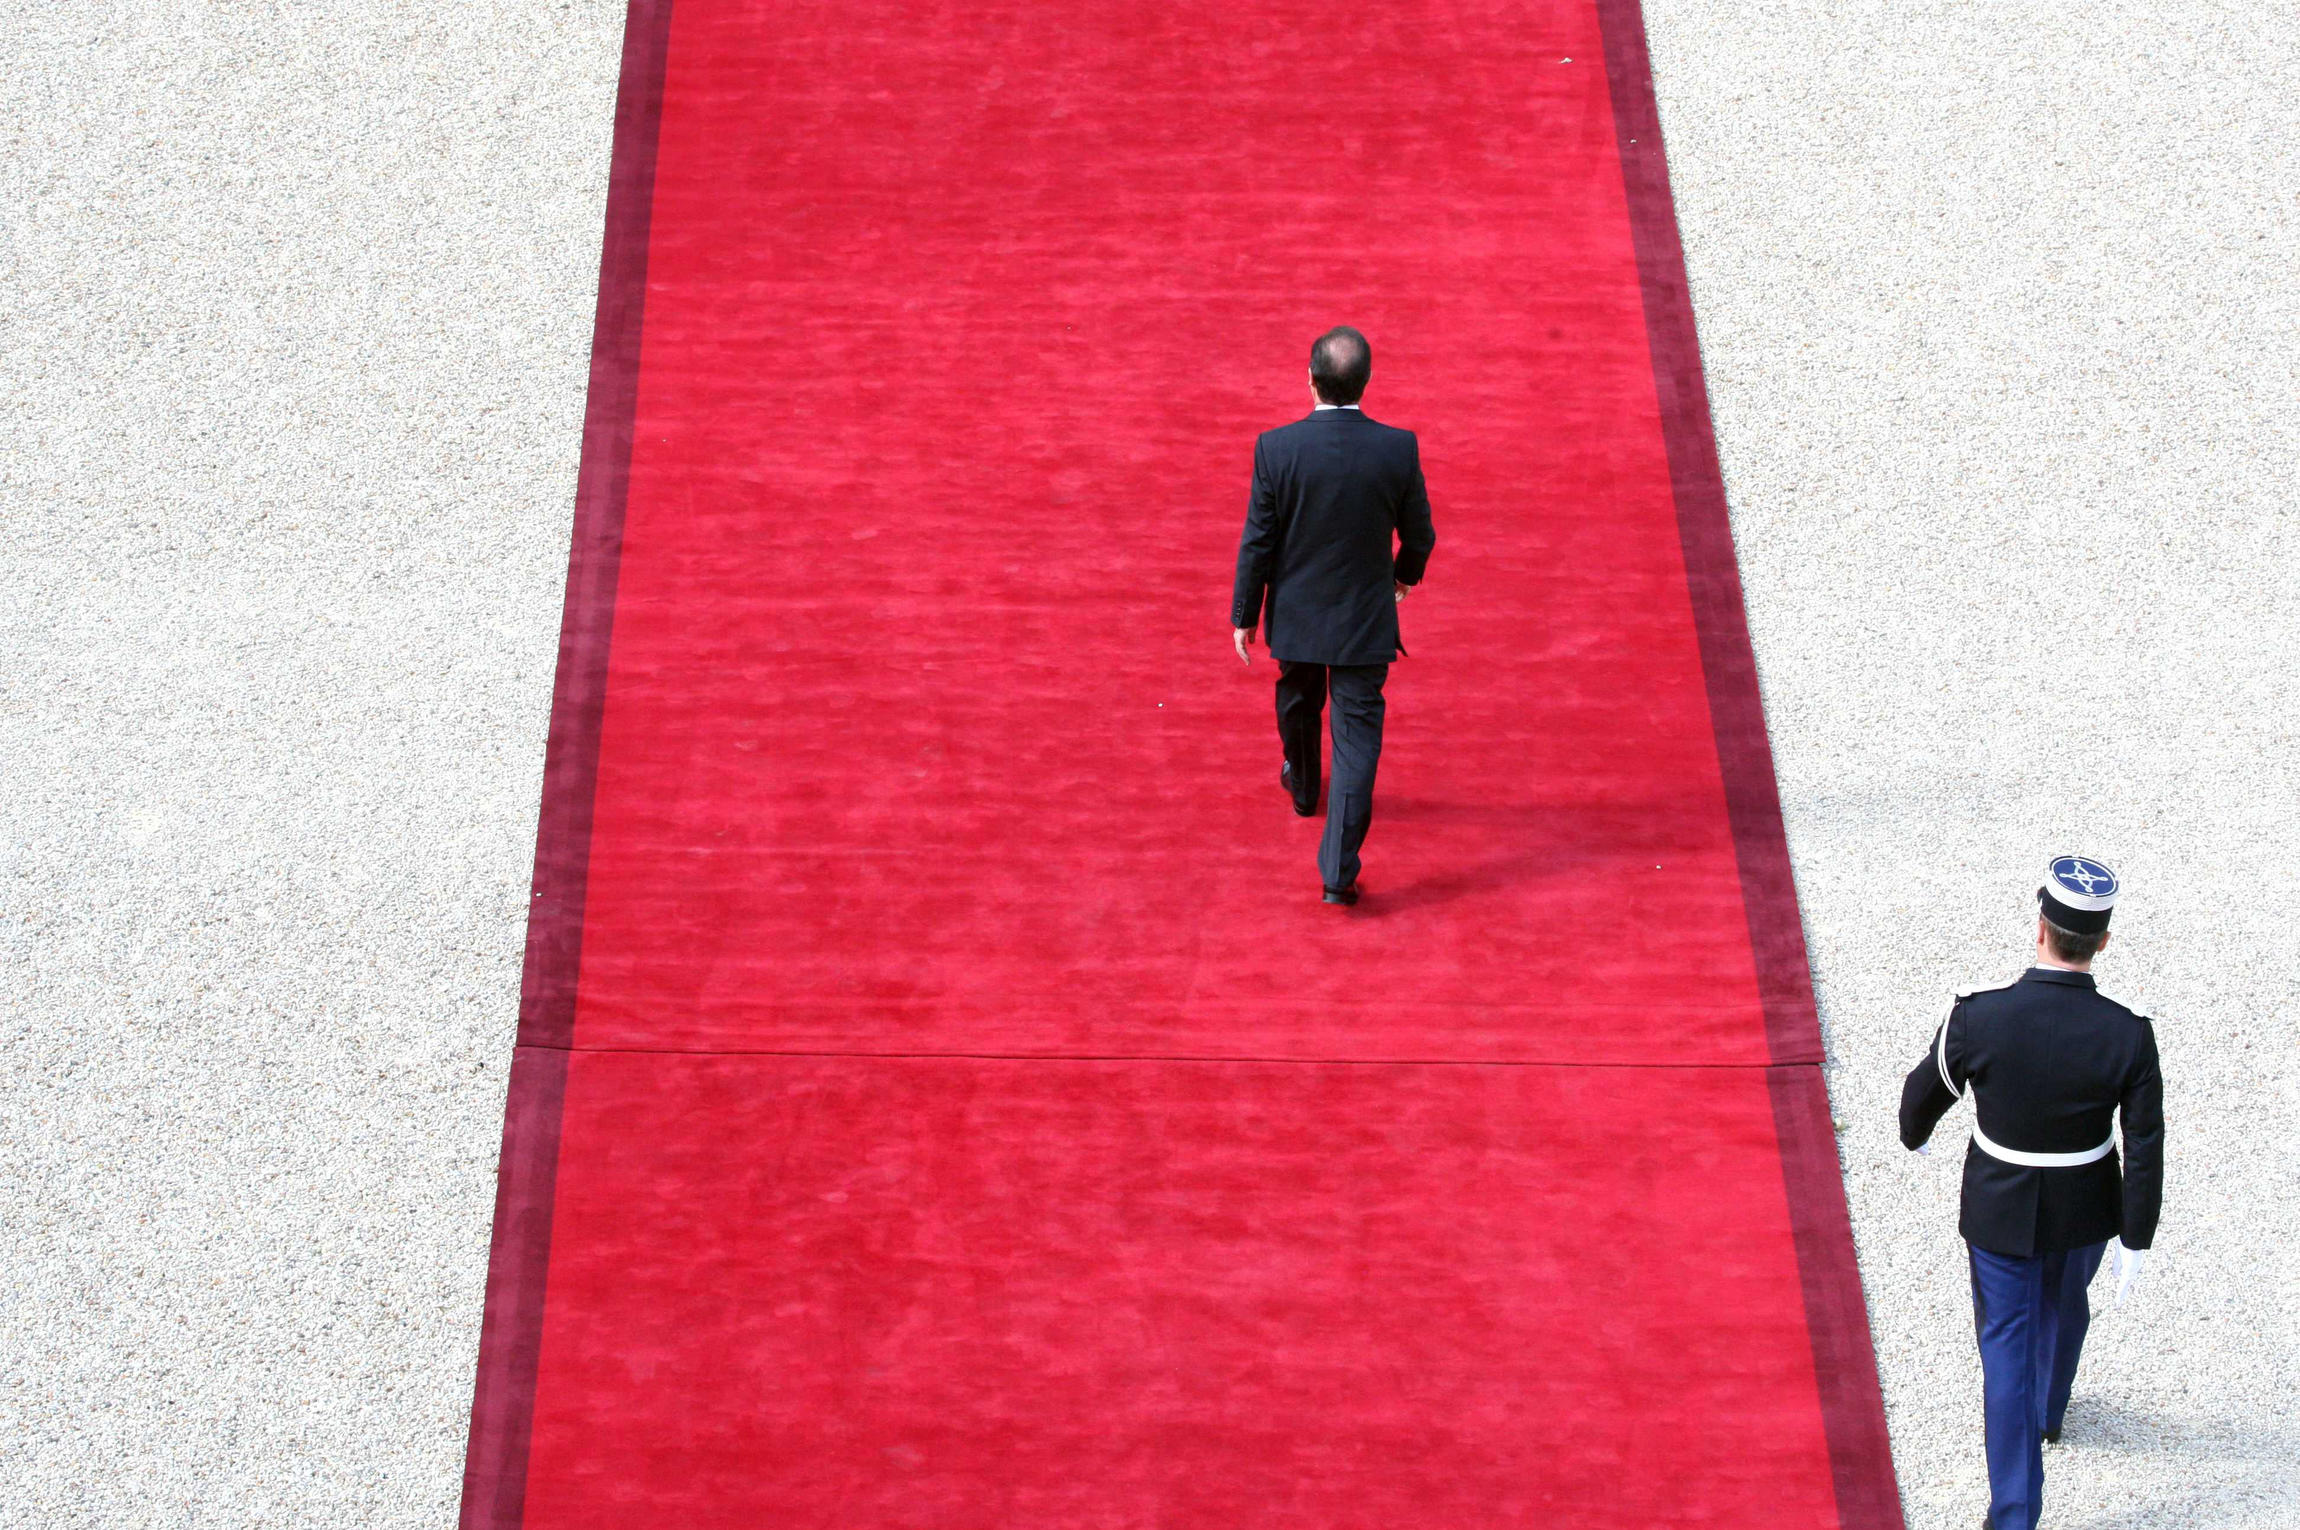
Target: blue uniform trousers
(2031, 1315)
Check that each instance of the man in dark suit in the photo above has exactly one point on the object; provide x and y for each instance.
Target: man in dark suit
(2053, 1066)
(1316, 570)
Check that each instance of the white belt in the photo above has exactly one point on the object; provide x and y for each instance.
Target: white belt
(2043, 1160)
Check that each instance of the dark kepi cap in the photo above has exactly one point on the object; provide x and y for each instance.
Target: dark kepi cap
(2078, 894)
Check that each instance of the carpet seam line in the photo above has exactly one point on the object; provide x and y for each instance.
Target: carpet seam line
(1168, 1057)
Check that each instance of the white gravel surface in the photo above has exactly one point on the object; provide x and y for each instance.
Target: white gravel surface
(2003, 337)
(2000, 321)
(294, 336)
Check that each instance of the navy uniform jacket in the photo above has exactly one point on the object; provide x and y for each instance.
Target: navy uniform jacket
(1329, 492)
(2049, 1060)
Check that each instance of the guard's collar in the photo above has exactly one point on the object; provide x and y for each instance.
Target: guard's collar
(2057, 975)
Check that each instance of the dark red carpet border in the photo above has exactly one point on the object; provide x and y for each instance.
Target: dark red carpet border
(511, 1332)
(1845, 1365)
(496, 1483)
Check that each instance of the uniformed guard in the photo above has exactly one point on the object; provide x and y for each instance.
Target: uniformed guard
(2050, 1061)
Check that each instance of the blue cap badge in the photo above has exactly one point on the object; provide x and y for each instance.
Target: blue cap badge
(2078, 894)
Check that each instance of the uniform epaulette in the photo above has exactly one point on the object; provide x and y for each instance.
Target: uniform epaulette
(1941, 1042)
(2099, 993)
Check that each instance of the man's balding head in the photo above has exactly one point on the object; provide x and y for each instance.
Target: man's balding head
(1340, 363)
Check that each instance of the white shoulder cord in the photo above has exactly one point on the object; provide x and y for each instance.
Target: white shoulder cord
(1941, 1050)
(1941, 1061)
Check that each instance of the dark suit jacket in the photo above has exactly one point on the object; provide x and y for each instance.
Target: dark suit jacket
(1329, 493)
(2050, 1061)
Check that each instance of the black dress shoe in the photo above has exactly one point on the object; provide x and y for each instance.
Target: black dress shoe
(1347, 897)
(1286, 780)
(2052, 1436)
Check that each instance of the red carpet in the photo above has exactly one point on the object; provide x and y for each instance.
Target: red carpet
(942, 1100)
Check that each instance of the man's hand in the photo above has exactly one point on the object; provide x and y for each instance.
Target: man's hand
(1242, 638)
(2125, 1265)
(1403, 590)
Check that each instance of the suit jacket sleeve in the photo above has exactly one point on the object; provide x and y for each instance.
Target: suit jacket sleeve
(1257, 548)
(2142, 1115)
(1934, 1084)
(1417, 538)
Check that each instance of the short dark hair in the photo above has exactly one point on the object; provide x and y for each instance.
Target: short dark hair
(2071, 946)
(1340, 363)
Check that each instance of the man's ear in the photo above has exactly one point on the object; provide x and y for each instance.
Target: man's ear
(2103, 943)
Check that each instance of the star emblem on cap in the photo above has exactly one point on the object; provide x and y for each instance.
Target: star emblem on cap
(2080, 875)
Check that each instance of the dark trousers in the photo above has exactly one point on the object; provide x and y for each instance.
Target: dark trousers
(1358, 711)
(2031, 1315)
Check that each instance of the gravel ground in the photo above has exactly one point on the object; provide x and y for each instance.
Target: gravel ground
(294, 341)
(2000, 327)
(1999, 314)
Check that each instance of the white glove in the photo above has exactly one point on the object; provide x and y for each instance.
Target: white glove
(2126, 1264)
